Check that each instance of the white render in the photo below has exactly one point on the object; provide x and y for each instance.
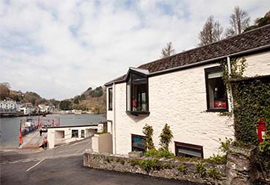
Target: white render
(258, 64)
(63, 134)
(8, 107)
(178, 99)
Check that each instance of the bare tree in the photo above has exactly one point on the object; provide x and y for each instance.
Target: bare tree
(167, 51)
(211, 32)
(239, 21)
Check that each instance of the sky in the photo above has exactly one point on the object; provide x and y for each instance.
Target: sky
(59, 48)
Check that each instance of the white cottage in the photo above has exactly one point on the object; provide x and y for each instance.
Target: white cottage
(187, 92)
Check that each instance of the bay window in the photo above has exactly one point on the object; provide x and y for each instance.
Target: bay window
(137, 94)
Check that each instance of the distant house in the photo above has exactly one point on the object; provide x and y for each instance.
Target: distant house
(187, 92)
(27, 108)
(8, 107)
(46, 108)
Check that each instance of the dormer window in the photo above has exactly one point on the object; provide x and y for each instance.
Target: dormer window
(137, 93)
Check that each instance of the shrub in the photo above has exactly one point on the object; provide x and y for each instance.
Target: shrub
(165, 153)
(218, 159)
(265, 145)
(148, 141)
(182, 168)
(151, 153)
(225, 145)
(165, 165)
(159, 153)
(134, 162)
(165, 137)
(214, 173)
(200, 169)
(148, 165)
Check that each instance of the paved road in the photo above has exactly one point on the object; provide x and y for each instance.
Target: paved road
(63, 166)
(69, 170)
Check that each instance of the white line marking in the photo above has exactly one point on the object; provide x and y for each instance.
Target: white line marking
(35, 165)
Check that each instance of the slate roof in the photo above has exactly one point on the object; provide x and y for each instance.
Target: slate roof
(246, 41)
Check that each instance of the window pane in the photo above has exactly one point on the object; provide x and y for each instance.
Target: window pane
(215, 75)
(139, 97)
(138, 143)
(82, 133)
(216, 92)
(128, 97)
(110, 98)
(188, 150)
(136, 77)
(74, 133)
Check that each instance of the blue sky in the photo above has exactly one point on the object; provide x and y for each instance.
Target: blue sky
(59, 48)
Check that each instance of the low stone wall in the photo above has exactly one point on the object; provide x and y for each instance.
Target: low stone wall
(205, 173)
(241, 166)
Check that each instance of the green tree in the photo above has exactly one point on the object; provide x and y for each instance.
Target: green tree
(65, 105)
(259, 22)
(76, 100)
(98, 92)
(4, 90)
(165, 137)
(148, 132)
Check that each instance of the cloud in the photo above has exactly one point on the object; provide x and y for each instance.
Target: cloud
(59, 48)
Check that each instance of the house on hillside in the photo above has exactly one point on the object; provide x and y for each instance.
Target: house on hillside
(187, 92)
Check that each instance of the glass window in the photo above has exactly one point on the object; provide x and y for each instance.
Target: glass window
(137, 143)
(215, 90)
(188, 150)
(137, 93)
(74, 133)
(82, 133)
(110, 98)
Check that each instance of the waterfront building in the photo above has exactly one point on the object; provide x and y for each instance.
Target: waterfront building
(187, 92)
(27, 108)
(9, 107)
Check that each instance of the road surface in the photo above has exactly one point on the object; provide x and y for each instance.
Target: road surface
(64, 166)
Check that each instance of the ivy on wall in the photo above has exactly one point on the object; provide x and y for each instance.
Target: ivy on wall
(251, 98)
(251, 103)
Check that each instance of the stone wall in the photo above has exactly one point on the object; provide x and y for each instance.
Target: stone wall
(241, 166)
(164, 168)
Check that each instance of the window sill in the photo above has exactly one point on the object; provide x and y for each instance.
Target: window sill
(217, 110)
(137, 113)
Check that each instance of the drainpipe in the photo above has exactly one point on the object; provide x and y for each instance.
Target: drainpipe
(229, 74)
(114, 123)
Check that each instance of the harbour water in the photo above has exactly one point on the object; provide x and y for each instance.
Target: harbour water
(9, 127)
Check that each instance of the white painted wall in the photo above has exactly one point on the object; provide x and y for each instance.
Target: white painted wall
(258, 64)
(179, 99)
(109, 112)
(55, 136)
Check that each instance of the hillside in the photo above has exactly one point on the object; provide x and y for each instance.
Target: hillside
(91, 100)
